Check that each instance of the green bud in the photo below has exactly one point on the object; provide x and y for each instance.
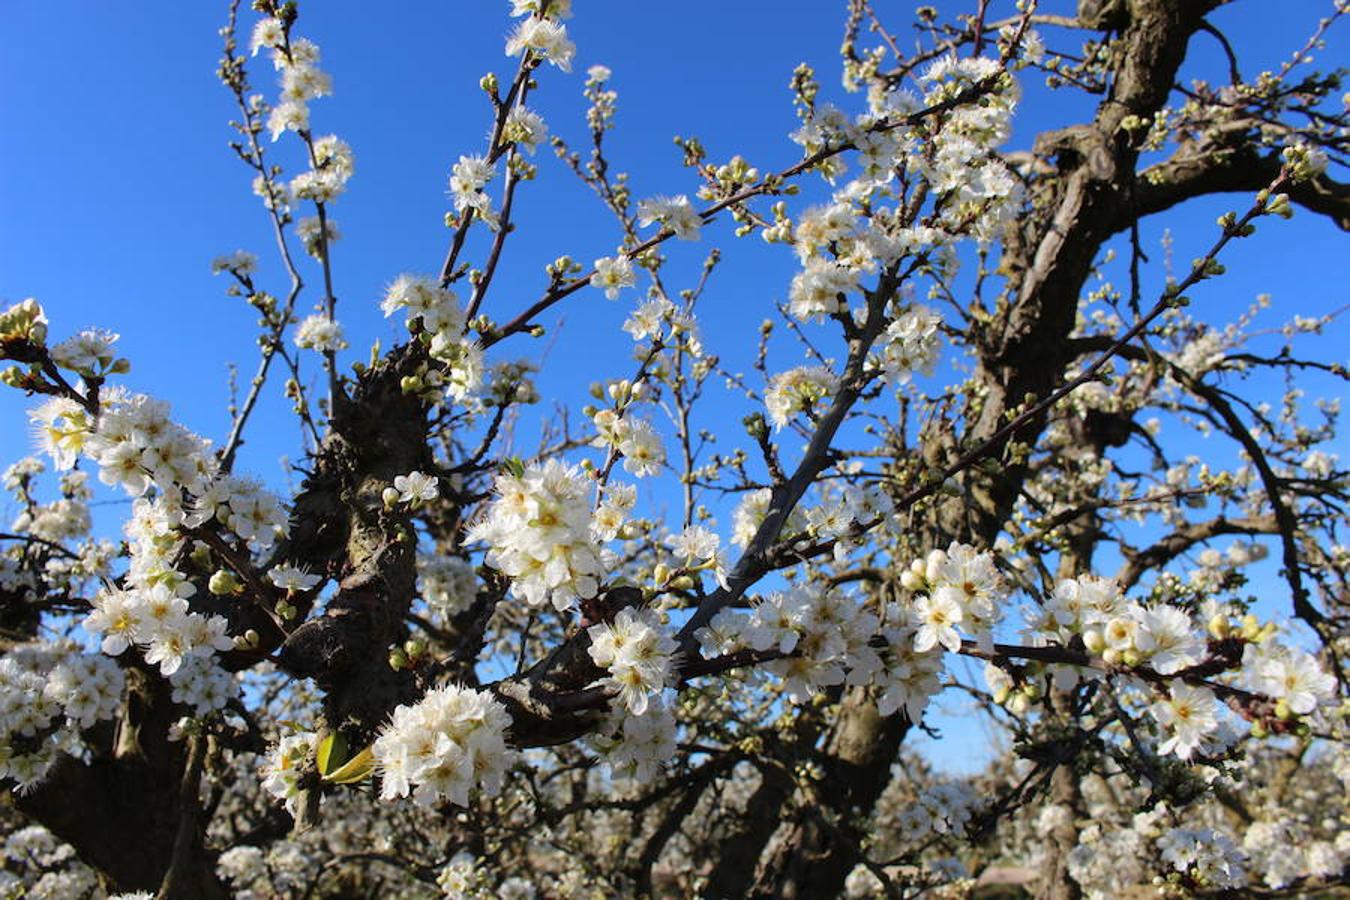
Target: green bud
(223, 583)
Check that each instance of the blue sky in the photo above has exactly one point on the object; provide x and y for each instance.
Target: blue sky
(117, 187)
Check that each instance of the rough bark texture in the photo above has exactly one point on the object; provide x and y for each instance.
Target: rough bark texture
(122, 810)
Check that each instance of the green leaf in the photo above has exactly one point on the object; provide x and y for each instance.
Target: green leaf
(358, 768)
(332, 753)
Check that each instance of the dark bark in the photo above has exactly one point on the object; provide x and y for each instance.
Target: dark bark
(122, 811)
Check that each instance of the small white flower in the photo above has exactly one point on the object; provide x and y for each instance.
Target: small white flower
(611, 274)
(416, 488)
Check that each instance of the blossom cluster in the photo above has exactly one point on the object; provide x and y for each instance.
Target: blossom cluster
(447, 584)
(282, 768)
(450, 741)
(637, 745)
(1206, 855)
(638, 653)
(48, 693)
(750, 513)
(538, 532)
(634, 439)
(319, 332)
(798, 390)
(910, 344)
(1167, 640)
(157, 620)
(955, 590)
(435, 312)
(542, 36)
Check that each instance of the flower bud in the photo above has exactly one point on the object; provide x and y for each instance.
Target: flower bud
(1094, 641)
(223, 583)
(1219, 626)
(1251, 628)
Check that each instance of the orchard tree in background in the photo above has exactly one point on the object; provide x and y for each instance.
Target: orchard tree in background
(286, 696)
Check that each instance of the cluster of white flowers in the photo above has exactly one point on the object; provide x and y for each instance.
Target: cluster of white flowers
(525, 128)
(1167, 640)
(462, 878)
(613, 274)
(447, 583)
(545, 38)
(1281, 851)
(750, 513)
(138, 446)
(632, 438)
(974, 189)
(820, 228)
(821, 289)
(798, 390)
(908, 678)
(823, 635)
(639, 654)
(243, 506)
(61, 520)
(697, 549)
(674, 213)
(944, 808)
(283, 766)
(1210, 857)
(1117, 629)
(538, 533)
(634, 745)
(242, 864)
(617, 502)
(301, 78)
(240, 262)
(334, 165)
(856, 505)
(444, 745)
(135, 442)
(158, 621)
(1104, 860)
(910, 344)
(202, 685)
(659, 319)
(319, 332)
(48, 693)
(89, 353)
(979, 187)
(468, 178)
(959, 586)
(40, 866)
(434, 310)
(1292, 677)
